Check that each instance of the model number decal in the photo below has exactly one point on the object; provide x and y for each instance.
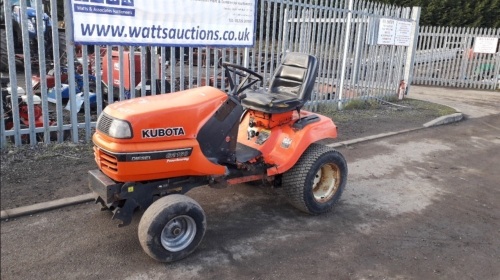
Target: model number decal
(163, 132)
(168, 154)
(178, 154)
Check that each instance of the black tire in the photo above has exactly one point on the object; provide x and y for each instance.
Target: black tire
(4, 59)
(316, 182)
(66, 135)
(172, 227)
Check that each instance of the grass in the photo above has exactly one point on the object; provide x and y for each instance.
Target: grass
(359, 104)
(407, 108)
(440, 110)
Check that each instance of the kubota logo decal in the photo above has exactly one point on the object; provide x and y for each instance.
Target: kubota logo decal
(163, 132)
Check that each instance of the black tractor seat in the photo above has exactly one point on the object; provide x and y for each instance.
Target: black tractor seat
(291, 86)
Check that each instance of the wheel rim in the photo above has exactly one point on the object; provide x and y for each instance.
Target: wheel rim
(178, 233)
(326, 182)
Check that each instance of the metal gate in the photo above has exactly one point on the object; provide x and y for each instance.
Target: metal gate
(343, 36)
(341, 33)
(445, 57)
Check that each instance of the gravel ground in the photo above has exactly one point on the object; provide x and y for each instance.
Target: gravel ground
(46, 172)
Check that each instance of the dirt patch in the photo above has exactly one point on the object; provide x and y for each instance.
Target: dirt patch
(42, 173)
(47, 172)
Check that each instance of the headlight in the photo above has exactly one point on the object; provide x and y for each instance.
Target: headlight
(114, 127)
(120, 129)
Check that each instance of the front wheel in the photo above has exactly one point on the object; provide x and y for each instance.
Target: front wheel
(317, 180)
(171, 228)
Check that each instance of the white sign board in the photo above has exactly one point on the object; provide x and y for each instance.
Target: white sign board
(164, 22)
(394, 32)
(485, 45)
(386, 32)
(403, 33)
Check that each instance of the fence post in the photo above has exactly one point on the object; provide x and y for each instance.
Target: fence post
(284, 45)
(410, 55)
(70, 52)
(27, 72)
(344, 56)
(496, 77)
(12, 77)
(357, 50)
(42, 70)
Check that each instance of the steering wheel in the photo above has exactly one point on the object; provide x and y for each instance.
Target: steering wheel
(249, 77)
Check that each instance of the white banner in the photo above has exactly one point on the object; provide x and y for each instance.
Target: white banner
(164, 22)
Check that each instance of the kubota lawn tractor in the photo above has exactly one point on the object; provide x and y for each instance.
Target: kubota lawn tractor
(152, 150)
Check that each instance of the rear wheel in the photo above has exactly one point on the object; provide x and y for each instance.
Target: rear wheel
(4, 59)
(317, 180)
(171, 228)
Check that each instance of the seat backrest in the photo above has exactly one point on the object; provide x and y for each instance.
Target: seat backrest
(295, 76)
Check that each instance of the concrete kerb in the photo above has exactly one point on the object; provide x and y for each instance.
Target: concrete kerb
(455, 117)
(445, 120)
(45, 206)
(59, 203)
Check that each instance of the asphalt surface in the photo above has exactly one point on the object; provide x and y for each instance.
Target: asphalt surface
(418, 205)
(472, 103)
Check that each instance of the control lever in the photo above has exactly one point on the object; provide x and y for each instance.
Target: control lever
(242, 96)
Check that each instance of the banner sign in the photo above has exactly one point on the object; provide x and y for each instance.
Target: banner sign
(165, 22)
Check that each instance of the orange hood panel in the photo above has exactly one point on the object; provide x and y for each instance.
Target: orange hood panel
(183, 112)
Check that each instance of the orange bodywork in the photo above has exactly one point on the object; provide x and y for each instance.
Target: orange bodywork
(147, 155)
(285, 144)
(188, 109)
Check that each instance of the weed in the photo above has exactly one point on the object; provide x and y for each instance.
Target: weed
(359, 104)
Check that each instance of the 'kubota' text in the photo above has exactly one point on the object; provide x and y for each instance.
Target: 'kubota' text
(163, 132)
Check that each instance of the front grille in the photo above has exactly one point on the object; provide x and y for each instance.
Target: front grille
(104, 123)
(106, 160)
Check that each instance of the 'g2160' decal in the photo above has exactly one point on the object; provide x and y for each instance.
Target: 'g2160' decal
(182, 154)
(163, 132)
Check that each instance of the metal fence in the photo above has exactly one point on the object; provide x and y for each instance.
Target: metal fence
(76, 82)
(445, 57)
(343, 35)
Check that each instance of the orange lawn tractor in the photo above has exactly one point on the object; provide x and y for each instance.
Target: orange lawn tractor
(152, 150)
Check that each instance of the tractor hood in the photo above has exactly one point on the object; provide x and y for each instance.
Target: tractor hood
(164, 117)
